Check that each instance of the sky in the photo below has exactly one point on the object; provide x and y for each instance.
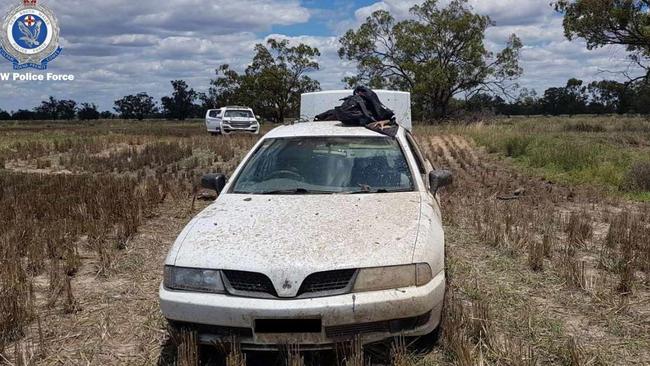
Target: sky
(120, 47)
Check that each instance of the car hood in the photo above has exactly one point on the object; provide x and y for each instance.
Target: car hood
(289, 237)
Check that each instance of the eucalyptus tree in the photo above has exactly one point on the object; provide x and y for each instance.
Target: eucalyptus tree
(437, 54)
(610, 22)
(273, 81)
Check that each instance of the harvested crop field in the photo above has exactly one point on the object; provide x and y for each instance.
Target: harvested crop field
(543, 268)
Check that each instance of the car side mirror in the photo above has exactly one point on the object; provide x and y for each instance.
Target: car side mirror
(258, 118)
(215, 182)
(439, 179)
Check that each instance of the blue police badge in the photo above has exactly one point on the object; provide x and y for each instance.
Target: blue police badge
(30, 36)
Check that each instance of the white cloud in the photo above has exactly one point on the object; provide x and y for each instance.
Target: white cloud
(116, 47)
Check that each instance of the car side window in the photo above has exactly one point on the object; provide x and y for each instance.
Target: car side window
(419, 158)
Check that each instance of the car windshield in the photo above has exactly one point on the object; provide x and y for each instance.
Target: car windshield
(326, 165)
(239, 113)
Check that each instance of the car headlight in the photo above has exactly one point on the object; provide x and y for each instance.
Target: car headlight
(193, 279)
(386, 278)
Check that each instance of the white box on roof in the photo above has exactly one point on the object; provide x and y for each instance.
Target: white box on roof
(313, 104)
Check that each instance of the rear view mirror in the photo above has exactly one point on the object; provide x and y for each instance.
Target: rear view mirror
(258, 118)
(439, 179)
(215, 182)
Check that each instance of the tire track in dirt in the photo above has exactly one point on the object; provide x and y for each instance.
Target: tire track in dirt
(440, 152)
(535, 307)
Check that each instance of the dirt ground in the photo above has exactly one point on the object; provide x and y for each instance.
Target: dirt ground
(118, 321)
(537, 316)
(524, 316)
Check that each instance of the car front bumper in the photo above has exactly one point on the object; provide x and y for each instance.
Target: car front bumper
(253, 128)
(314, 323)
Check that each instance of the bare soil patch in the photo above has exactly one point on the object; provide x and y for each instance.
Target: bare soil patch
(118, 320)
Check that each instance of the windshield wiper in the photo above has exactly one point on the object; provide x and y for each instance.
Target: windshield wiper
(364, 188)
(381, 190)
(295, 191)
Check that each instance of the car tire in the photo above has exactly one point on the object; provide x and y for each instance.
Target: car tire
(215, 133)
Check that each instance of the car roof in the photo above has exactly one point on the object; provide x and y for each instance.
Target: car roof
(324, 128)
(235, 107)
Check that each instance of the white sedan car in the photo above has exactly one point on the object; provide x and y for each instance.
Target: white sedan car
(324, 233)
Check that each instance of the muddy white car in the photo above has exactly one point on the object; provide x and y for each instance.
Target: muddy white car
(231, 119)
(324, 233)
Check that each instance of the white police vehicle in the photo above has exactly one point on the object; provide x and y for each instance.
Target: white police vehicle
(231, 119)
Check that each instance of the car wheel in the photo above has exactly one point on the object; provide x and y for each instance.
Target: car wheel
(215, 133)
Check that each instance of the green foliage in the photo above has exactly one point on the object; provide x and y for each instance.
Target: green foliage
(88, 111)
(607, 22)
(138, 106)
(47, 109)
(23, 115)
(516, 145)
(569, 150)
(66, 109)
(181, 104)
(568, 100)
(439, 54)
(4, 115)
(271, 84)
(598, 97)
(584, 127)
(562, 154)
(54, 109)
(512, 145)
(637, 178)
(609, 96)
(106, 115)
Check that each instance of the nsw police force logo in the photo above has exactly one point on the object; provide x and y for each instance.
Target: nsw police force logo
(30, 36)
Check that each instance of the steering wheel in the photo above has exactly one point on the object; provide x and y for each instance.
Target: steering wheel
(286, 172)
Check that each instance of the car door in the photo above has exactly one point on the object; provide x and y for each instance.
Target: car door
(213, 119)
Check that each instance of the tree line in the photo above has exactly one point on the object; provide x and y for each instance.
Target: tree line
(54, 109)
(576, 97)
(439, 55)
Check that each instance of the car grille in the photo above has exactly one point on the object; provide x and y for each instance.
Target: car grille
(239, 124)
(349, 331)
(327, 281)
(254, 283)
(215, 330)
(250, 282)
(389, 326)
